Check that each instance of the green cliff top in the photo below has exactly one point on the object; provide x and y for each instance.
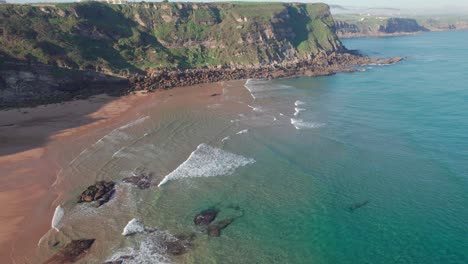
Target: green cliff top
(143, 36)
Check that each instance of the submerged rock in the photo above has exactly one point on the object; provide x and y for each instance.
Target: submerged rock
(214, 230)
(205, 217)
(142, 181)
(72, 252)
(101, 192)
(358, 205)
(134, 226)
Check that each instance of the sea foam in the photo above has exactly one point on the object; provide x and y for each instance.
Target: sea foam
(298, 110)
(298, 103)
(150, 250)
(207, 161)
(57, 218)
(242, 132)
(301, 124)
(134, 226)
(258, 86)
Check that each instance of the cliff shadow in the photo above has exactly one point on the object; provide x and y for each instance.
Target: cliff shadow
(23, 129)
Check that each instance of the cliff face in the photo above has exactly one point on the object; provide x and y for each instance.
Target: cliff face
(377, 27)
(352, 25)
(30, 85)
(122, 39)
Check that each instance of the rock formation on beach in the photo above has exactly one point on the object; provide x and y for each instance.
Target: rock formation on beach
(100, 192)
(72, 252)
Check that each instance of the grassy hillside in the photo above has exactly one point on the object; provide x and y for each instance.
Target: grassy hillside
(143, 36)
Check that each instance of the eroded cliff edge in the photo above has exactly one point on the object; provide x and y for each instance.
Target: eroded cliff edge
(57, 52)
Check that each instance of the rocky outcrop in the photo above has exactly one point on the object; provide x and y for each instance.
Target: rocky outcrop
(403, 25)
(214, 229)
(100, 193)
(142, 181)
(72, 252)
(322, 64)
(205, 217)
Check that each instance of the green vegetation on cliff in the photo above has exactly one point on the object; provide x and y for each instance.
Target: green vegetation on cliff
(144, 36)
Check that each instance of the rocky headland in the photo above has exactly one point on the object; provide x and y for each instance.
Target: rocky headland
(53, 53)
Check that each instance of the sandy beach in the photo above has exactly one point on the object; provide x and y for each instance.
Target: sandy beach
(36, 142)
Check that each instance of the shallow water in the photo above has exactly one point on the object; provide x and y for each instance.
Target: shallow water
(369, 167)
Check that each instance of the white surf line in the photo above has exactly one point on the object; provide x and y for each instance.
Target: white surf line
(242, 132)
(248, 89)
(207, 161)
(136, 122)
(298, 110)
(225, 139)
(57, 218)
(298, 103)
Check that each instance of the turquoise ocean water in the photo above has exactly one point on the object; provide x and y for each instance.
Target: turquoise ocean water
(366, 167)
(394, 136)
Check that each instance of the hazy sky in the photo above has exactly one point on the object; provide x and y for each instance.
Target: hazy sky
(403, 3)
(436, 5)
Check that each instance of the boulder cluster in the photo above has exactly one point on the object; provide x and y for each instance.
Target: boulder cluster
(322, 64)
(72, 252)
(100, 192)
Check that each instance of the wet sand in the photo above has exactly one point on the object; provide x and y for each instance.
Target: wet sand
(34, 145)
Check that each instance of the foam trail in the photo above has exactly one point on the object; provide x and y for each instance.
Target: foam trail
(242, 132)
(207, 161)
(56, 219)
(136, 122)
(114, 136)
(225, 139)
(298, 103)
(246, 85)
(300, 124)
(255, 108)
(297, 110)
(133, 226)
(151, 249)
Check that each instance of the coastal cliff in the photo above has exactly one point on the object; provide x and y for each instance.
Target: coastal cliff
(137, 37)
(94, 45)
(353, 25)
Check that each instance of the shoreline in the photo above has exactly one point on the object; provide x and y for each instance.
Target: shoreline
(68, 129)
(321, 64)
(81, 123)
(32, 168)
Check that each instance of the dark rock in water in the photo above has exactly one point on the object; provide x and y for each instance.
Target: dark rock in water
(142, 181)
(179, 246)
(176, 248)
(214, 230)
(205, 217)
(120, 260)
(72, 252)
(358, 205)
(101, 192)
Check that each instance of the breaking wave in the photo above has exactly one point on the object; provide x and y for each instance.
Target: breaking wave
(301, 124)
(150, 250)
(207, 161)
(298, 103)
(57, 218)
(257, 86)
(242, 132)
(298, 110)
